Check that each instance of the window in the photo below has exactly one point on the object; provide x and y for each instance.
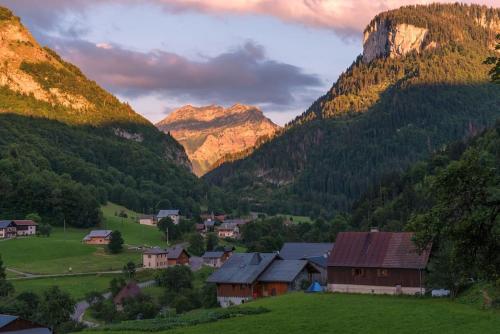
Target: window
(358, 272)
(149, 256)
(382, 273)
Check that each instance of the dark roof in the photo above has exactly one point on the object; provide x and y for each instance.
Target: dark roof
(155, 250)
(25, 222)
(229, 249)
(212, 255)
(128, 291)
(147, 217)
(98, 234)
(38, 330)
(377, 250)
(6, 319)
(175, 252)
(283, 271)
(302, 250)
(320, 261)
(242, 268)
(166, 213)
(209, 222)
(228, 226)
(5, 223)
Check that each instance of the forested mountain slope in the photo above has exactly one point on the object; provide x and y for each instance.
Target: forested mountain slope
(67, 145)
(420, 83)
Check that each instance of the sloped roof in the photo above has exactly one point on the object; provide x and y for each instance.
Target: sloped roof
(320, 261)
(237, 221)
(242, 268)
(128, 291)
(212, 255)
(228, 226)
(155, 251)
(5, 223)
(166, 213)
(377, 250)
(283, 271)
(302, 250)
(25, 222)
(6, 319)
(98, 234)
(147, 217)
(175, 252)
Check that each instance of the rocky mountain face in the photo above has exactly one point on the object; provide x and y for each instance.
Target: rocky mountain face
(211, 133)
(420, 84)
(36, 82)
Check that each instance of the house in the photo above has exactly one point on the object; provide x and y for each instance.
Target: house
(315, 253)
(155, 258)
(7, 229)
(228, 230)
(16, 325)
(177, 255)
(377, 262)
(238, 222)
(209, 225)
(285, 275)
(25, 227)
(236, 280)
(98, 237)
(131, 290)
(213, 259)
(149, 220)
(172, 214)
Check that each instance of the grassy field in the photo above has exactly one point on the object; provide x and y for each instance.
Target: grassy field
(76, 286)
(300, 313)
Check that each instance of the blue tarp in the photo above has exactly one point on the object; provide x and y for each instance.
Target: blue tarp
(315, 287)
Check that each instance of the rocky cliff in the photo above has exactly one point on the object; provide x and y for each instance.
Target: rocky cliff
(213, 132)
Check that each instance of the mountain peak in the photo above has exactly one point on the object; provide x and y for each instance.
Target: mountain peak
(210, 133)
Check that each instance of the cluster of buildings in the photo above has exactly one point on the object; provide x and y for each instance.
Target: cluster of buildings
(359, 262)
(15, 228)
(152, 220)
(158, 258)
(224, 228)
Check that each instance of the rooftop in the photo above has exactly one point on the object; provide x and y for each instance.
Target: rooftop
(98, 234)
(212, 255)
(25, 222)
(303, 250)
(242, 268)
(175, 252)
(155, 250)
(166, 213)
(283, 271)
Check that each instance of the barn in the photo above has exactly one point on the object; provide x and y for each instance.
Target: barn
(377, 262)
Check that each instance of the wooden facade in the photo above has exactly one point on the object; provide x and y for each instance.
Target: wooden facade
(183, 259)
(376, 276)
(236, 290)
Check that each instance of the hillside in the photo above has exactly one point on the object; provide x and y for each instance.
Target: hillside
(211, 133)
(67, 145)
(420, 83)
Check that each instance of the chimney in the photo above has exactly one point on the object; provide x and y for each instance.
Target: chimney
(374, 230)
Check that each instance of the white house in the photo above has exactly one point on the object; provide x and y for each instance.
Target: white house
(172, 214)
(148, 220)
(25, 227)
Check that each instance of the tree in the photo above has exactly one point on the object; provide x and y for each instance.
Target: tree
(115, 242)
(6, 288)
(212, 241)
(196, 244)
(176, 278)
(170, 230)
(34, 217)
(140, 307)
(129, 270)
(44, 229)
(495, 61)
(209, 296)
(116, 284)
(55, 308)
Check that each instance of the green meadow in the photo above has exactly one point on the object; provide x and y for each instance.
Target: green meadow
(299, 313)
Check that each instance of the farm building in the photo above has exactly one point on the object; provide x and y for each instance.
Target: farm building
(377, 262)
(155, 258)
(172, 214)
(177, 255)
(98, 237)
(149, 220)
(25, 227)
(315, 253)
(14, 324)
(217, 258)
(7, 229)
(228, 230)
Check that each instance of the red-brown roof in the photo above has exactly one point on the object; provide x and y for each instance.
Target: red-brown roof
(377, 250)
(130, 290)
(25, 222)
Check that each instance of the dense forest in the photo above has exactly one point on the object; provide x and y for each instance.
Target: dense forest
(378, 118)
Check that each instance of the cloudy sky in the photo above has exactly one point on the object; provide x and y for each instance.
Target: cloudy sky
(161, 54)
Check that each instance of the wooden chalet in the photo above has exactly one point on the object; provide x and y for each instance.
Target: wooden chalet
(14, 324)
(377, 262)
(177, 255)
(98, 237)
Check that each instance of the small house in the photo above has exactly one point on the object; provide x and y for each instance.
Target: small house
(377, 262)
(131, 290)
(172, 214)
(98, 237)
(155, 258)
(228, 230)
(213, 259)
(209, 225)
(149, 220)
(177, 255)
(25, 227)
(7, 229)
(16, 325)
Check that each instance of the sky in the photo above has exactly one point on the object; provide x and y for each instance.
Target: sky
(158, 55)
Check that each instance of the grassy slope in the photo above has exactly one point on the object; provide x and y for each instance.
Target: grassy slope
(341, 313)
